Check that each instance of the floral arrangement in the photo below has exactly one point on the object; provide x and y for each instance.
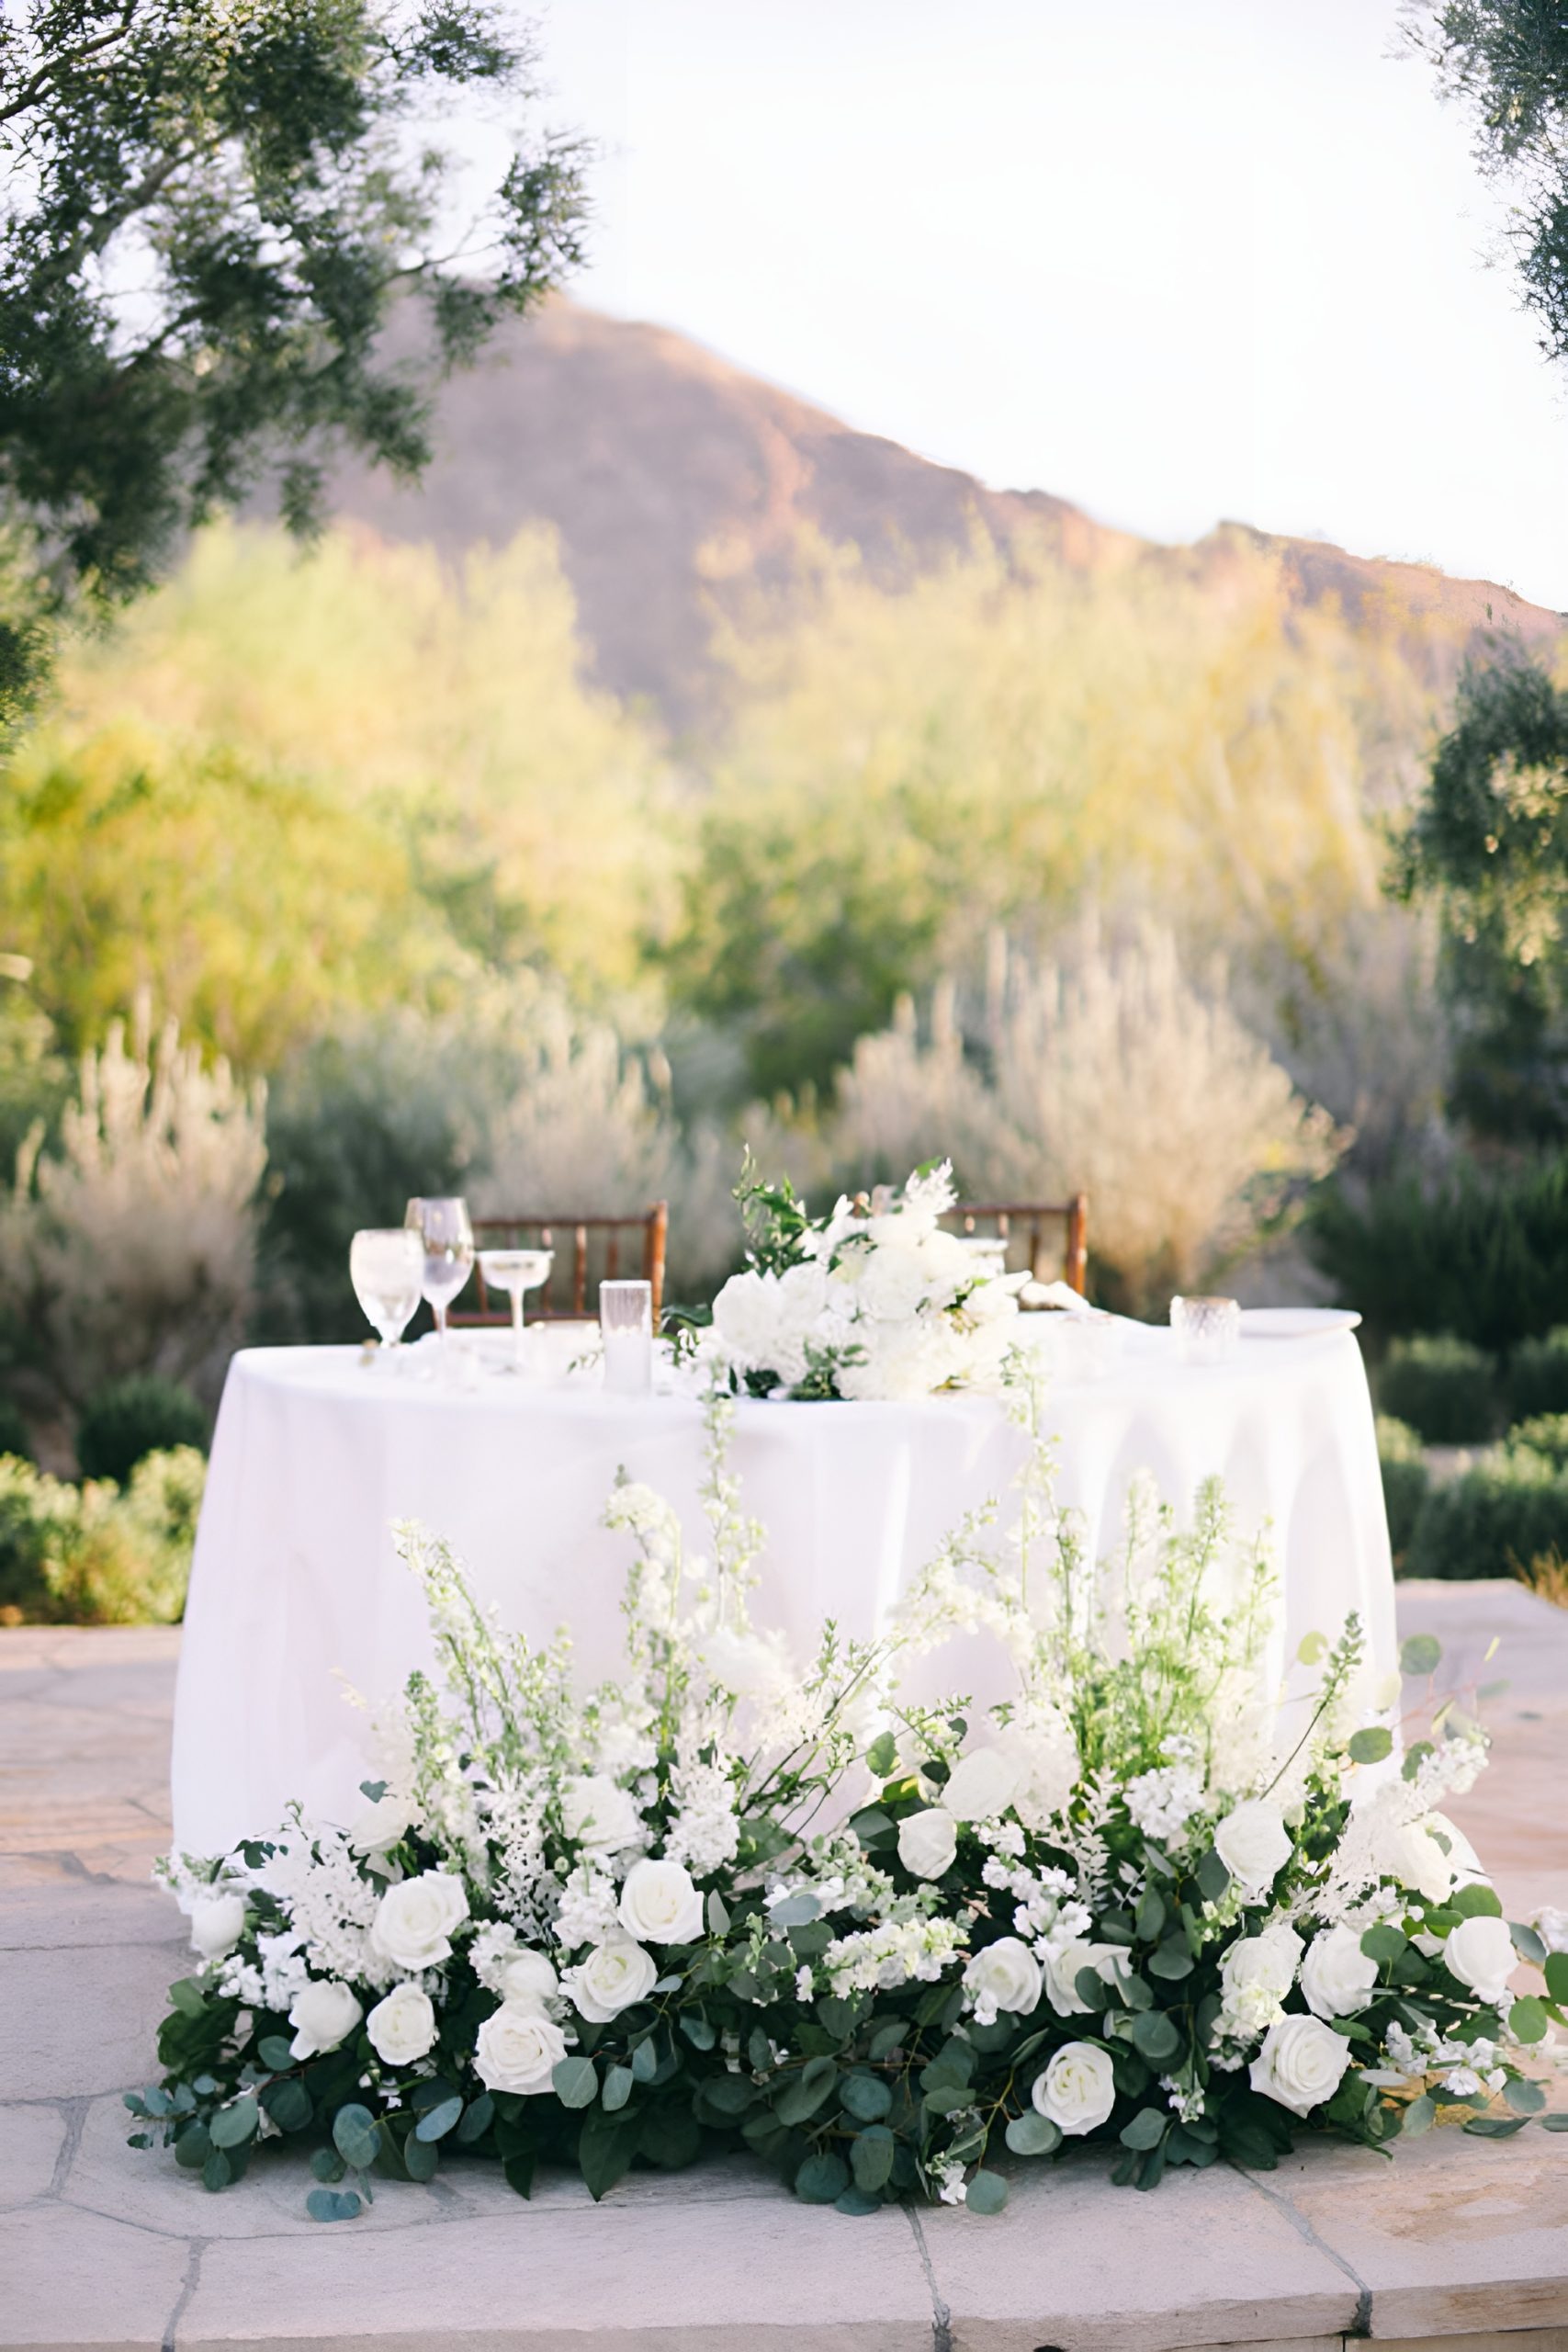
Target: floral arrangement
(874, 1301)
(726, 1901)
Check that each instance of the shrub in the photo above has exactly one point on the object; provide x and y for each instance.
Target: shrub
(1484, 1253)
(1444, 1387)
(1538, 1376)
(13, 1436)
(1494, 1520)
(1405, 1480)
(131, 1419)
(1545, 1434)
(97, 1555)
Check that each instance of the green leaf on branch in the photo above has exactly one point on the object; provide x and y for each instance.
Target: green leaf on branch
(421, 2157)
(1029, 2134)
(799, 2099)
(1527, 1943)
(1414, 1758)
(1420, 1654)
(865, 2097)
(192, 2147)
(1370, 1745)
(1172, 1963)
(1523, 2097)
(871, 2157)
(477, 2117)
(288, 2104)
(987, 2192)
(605, 2149)
(437, 2121)
(882, 1754)
(857, 2203)
(1558, 2123)
(1214, 1878)
(1476, 1902)
(275, 2051)
(332, 2204)
(795, 1910)
(716, 1914)
(189, 1997)
(1526, 2020)
(327, 2165)
(1556, 1974)
(645, 2061)
(1496, 2127)
(1418, 2116)
(888, 2038)
(1150, 1916)
(1384, 1944)
(217, 2172)
(822, 2179)
(575, 2081)
(1147, 2128)
(232, 2126)
(356, 2136)
(1156, 2036)
(618, 2082)
(698, 2031)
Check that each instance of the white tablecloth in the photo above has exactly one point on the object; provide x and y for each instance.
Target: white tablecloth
(296, 1583)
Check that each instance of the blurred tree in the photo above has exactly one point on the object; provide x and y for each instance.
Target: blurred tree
(1490, 838)
(211, 206)
(1507, 61)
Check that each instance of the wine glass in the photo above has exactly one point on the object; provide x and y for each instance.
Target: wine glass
(516, 1271)
(448, 1246)
(386, 1265)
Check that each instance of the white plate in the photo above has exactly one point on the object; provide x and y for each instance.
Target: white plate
(1295, 1322)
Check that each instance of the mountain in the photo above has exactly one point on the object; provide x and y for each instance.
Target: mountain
(674, 480)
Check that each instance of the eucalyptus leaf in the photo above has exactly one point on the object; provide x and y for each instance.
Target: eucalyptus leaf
(795, 1910)
(1213, 1877)
(331, 2205)
(1476, 1902)
(857, 2201)
(356, 2136)
(865, 2097)
(576, 2083)
(1527, 1943)
(1525, 2098)
(715, 1912)
(477, 2117)
(288, 2104)
(987, 2192)
(1556, 1974)
(1420, 1654)
(1526, 2020)
(883, 1754)
(1029, 2134)
(327, 2165)
(1418, 2116)
(1147, 2128)
(232, 2126)
(275, 2051)
(421, 2156)
(871, 2157)
(822, 2179)
(1371, 1744)
(1156, 2036)
(698, 2031)
(217, 2172)
(645, 2060)
(617, 2089)
(437, 2121)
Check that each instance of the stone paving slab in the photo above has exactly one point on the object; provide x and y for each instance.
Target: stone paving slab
(1459, 2244)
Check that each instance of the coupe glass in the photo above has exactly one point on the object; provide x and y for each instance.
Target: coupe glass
(386, 1265)
(626, 1323)
(1206, 1328)
(516, 1271)
(449, 1245)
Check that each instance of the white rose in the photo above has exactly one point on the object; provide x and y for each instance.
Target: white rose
(949, 1266)
(1265, 1965)
(1078, 2090)
(1480, 1952)
(1254, 1845)
(599, 1815)
(379, 1823)
(744, 1316)
(928, 1842)
(518, 2050)
(1062, 1973)
(216, 1923)
(402, 2026)
(659, 1905)
(1005, 1976)
(1300, 2063)
(893, 1282)
(323, 2014)
(1407, 1852)
(1463, 1859)
(1337, 1978)
(982, 1784)
(415, 1919)
(527, 1978)
(612, 1976)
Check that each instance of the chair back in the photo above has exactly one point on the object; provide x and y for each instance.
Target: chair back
(597, 1248)
(1033, 1224)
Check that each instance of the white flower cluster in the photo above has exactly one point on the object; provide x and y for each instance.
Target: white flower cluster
(898, 1951)
(885, 1302)
(1162, 1802)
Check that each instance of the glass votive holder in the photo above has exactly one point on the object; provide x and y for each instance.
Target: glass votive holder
(626, 1326)
(1208, 1330)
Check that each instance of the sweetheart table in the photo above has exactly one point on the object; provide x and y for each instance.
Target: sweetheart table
(296, 1586)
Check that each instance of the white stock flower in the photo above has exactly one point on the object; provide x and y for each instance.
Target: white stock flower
(414, 1920)
(1299, 2064)
(527, 1978)
(1005, 1976)
(610, 1979)
(379, 1823)
(402, 2026)
(599, 1815)
(1480, 1953)
(518, 2050)
(981, 1785)
(1337, 1978)
(216, 1923)
(1078, 2090)
(1256, 1973)
(1062, 1968)
(659, 1905)
(928, 1842)
(323, 2014)
(1254, 1845)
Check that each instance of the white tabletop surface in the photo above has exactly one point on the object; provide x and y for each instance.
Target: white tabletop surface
(296, 1584)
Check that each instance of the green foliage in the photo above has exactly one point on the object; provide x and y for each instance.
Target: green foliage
(1404, 1479)
(97, 1555)
(1536, 1377)
(1481, 1253)
(1494, 1519)
(1445, 1388)
(131, 1419)
(262, 176)
(1545, 1435)
(1491, 839)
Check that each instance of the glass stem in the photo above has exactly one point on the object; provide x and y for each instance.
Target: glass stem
(517, 1326)
(438, 1308)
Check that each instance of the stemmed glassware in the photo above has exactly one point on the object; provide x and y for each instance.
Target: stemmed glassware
(516, 1271)
(386, 1265)
(447, 1241)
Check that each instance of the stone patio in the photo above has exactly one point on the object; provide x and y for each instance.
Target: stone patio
(1458, 2243)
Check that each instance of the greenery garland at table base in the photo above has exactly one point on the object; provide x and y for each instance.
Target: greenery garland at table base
(725, 1902)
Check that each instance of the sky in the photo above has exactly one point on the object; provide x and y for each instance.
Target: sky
(1175, 260)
